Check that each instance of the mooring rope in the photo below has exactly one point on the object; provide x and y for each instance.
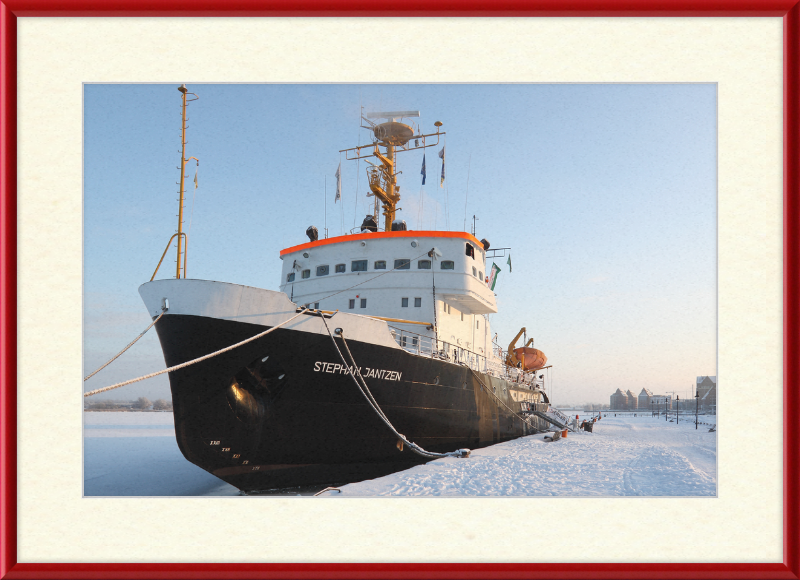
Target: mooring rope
(353, 372)
(126, 348)
(197, 360)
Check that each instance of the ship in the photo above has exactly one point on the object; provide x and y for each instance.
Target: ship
(374, 353)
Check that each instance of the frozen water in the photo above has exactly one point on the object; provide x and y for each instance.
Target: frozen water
(135, 454)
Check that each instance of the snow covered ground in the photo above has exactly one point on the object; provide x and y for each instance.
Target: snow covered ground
(136, 454)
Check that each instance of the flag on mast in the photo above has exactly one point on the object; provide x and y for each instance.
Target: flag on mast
(195, 178)
(423, 172)
(509, 262)
(493, 275)
(338, 183)
(441, 156)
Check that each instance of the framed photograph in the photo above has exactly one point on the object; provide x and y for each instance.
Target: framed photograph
(59, 60)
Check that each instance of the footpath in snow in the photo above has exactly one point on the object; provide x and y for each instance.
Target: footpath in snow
(135, 454)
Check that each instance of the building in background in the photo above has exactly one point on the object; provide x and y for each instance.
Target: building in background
(619, 401)
(658, 402)
(707, 391)
(623, 401)
(644, 398)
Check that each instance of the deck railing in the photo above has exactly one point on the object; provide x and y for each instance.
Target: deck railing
(429, 346)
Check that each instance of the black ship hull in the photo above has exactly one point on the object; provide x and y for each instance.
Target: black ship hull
(282, 411)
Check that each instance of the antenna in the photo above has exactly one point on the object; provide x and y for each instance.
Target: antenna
(466, 197)
(393, 115)
(394, 137)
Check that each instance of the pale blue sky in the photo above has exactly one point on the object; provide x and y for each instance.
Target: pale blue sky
(605, 193)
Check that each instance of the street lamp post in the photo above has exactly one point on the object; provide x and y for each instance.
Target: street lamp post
(696, 405)
(666, 415)
(677, 409)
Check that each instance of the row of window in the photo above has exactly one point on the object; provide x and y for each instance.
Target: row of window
(403, 303)
(361, 266)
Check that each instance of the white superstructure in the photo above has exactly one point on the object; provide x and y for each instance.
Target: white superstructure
(391, 275)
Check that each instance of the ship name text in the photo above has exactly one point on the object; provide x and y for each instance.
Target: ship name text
(366, 372)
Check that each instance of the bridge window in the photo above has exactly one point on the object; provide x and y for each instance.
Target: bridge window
(290, 277)
(340, 268)
(448, 265)
(325, 270)
(306, 274)
(358, 266)
(470, 250)
(417, 302)
(404, 302)
(474, 271)
(424, 265)
(363, 303)
(402, 264)
(352, 304)
(480, 274)
(380, 264)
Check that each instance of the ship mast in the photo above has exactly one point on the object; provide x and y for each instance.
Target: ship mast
(394, 137)
(183, 243)
(184, 91)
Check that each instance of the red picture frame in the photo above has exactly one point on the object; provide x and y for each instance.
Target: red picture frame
(789, 10)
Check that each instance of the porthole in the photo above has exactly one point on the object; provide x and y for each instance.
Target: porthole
(414, 244)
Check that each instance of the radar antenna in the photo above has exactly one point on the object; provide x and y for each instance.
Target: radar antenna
(394, 137)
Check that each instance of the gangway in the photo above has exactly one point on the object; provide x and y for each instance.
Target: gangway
(549, 419)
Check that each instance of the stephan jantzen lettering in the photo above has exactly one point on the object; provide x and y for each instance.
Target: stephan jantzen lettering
(366, 372)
